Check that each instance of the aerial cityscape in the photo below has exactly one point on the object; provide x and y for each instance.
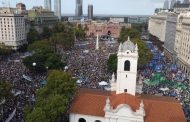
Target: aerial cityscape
(95, 61)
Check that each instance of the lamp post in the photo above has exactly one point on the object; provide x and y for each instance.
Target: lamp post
(34, 65)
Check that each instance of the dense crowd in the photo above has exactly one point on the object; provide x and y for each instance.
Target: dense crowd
(23, 89)
(90, 65)
(163, 78)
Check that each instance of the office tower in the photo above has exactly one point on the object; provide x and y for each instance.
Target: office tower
(47, 4)
(186, 1)
(90, 11)
(172, 4)
(57, 8)
(79, 8)
(166, 5)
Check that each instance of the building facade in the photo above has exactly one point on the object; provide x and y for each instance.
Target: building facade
(13, 28)
(79, 8)
(47, 4)
(90, 12)
(127, 68)
(57, 8)
(182, 43)
(102, 28)
(181, 7)
(117, 19)
(21, 8)
(157, 26)
(170, 36)
(40, 16)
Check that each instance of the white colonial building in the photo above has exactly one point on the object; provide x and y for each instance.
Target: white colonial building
(182, 42)
(127, 68)
(121, 103)
(12, 28)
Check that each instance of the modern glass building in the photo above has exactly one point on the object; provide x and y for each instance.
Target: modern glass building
(90, 11)
(79, 8)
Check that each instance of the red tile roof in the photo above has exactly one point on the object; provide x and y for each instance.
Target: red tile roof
(157, 109)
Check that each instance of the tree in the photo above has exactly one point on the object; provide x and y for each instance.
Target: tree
(40, 46)
(112, 63)
(4, 51)
(143, 52)
(54, 62)
(131, 32)
(33, 35)
(37, 115)
(46, 32)
(5, 90)
(53, 100)
(80, 32)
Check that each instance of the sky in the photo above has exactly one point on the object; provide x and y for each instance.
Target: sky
(108, 7)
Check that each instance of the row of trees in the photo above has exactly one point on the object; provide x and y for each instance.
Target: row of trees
(46, 51)
(134, 33)
(53, 100)
(5, 90)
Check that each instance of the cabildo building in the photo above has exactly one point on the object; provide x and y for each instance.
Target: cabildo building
(121, 103)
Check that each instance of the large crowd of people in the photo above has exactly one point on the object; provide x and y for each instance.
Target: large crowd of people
(89, 65)
(24, 84)
(163, 78)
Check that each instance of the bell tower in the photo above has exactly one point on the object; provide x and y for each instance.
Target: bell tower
(127, 68)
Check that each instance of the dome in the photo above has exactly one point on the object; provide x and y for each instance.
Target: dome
(128, 45)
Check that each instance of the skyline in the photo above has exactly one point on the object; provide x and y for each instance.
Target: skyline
(122, 7)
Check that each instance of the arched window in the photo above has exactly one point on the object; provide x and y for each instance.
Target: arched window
(127, 66)
(82, 120)
(97, 121)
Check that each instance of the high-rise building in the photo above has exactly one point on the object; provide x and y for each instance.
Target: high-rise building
(13, 28)
(57, 8)
(21, 8)
(79, 8)
(166, 5)
(172, 4)
(186, 1)
(47, 4)
(90, 11)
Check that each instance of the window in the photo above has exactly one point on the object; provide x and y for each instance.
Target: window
(125, 90)
(82, 120)
(127, 66)
(97, 121)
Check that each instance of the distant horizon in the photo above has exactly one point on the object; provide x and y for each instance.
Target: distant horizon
(105, 7)
(115, 15)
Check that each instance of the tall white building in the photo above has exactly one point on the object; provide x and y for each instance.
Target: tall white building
(12, 28)
(127, 68)
(182, 42)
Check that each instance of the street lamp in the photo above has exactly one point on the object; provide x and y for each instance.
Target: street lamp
(34, 64)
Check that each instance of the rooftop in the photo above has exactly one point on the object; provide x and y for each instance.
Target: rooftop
(157, 109)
